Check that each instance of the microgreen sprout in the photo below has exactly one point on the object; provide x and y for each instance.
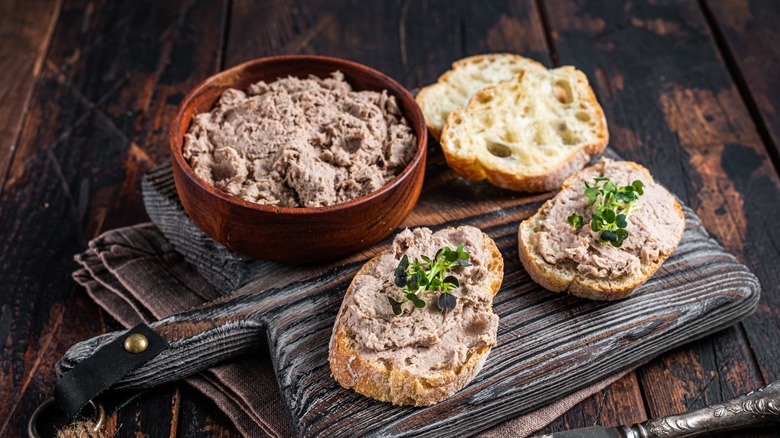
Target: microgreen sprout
(613, 206)
(429, 274)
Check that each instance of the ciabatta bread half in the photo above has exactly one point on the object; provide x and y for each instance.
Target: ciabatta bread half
(423, 355)
(467, 76)
(528, 133)
(563, 259)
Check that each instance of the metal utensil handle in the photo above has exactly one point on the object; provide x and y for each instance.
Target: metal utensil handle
(757, 408)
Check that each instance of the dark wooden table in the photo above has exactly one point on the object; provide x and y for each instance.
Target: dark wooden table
(690, 89)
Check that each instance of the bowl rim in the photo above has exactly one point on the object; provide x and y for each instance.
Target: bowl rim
(420, 129)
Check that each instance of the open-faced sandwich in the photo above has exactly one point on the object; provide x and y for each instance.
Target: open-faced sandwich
(606, 232)
(417, 321)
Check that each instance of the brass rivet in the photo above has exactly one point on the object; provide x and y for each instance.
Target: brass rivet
(136, 343)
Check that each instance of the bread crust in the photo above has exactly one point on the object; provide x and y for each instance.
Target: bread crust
(580, 285)
(396, 385)
(435, 131)
(474, 169)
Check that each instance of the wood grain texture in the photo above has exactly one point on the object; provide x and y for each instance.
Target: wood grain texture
(126, 67)
(619, 403)
(548, 345)
(133, 61)
(748, 30)
(411, 41)
(26, 31)
(695, 134)
(113, 75)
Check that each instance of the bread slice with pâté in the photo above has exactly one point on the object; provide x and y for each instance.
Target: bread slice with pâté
(528, 133)
(455, 87)
(566, 254)
(421, 351)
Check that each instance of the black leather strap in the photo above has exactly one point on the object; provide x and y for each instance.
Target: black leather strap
(104, 368)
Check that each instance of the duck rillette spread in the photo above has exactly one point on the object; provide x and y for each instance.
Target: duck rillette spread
(300, 142)
(421, 340)
(653, 229)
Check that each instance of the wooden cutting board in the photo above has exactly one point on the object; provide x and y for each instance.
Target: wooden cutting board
(549, 345)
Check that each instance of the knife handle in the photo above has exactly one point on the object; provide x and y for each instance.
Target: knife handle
(757, 408)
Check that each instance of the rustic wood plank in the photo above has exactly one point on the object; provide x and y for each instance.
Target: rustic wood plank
(113, 76)
(576, 342)
(411, 77)
(272, 27)
(619, 403)
(131, 63)
(413, 42)
(748, 32)
(681, 386)
(40, 230)
(432, 35)
(26, 31)
(44, 226)
(672, 106)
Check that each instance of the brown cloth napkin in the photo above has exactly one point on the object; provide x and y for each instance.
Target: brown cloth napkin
(137, 276)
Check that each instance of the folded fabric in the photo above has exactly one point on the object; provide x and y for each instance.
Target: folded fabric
(136, 275)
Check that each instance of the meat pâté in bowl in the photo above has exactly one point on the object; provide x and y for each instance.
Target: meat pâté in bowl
(298, 158)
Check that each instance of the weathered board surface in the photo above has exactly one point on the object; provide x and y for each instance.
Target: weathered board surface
(549, 345)
(26, 32)
(748, 32)
(114, 71)
(97, 119)
(673, 105)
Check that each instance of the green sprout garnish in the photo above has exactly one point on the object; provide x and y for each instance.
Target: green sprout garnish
(576, 221)
(429, 275)
(613, 206)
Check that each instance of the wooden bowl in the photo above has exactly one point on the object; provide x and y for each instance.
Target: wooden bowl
(296, 235)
